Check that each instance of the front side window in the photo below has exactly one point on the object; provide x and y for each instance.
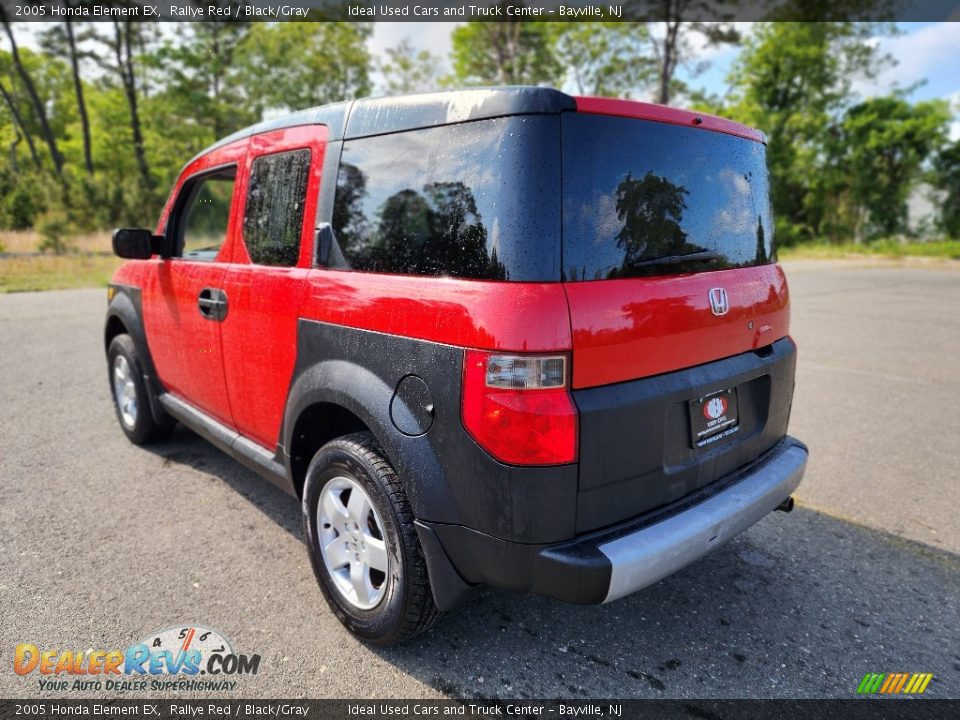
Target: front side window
(204, 214)
(473, 200)
(649, 198)
(273, 219)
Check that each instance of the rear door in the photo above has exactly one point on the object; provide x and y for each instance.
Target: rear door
(181, 308)
(667, 247)
(682, 371)
(265, 280)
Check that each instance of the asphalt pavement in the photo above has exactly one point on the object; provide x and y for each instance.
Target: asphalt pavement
(102, 543)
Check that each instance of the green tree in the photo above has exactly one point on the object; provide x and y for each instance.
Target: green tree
(296, 65)
(605, 58)
(202, 82)
(946, 176)
(18, 127)
(37, 104)
(504, 53)
(793, 81)
(123, 45)
(674, 41)
(60, 40)
(885, 142)
(407, 70)
(30, 187)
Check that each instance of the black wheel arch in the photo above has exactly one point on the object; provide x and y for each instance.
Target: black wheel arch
(125, 316)
(336, 397)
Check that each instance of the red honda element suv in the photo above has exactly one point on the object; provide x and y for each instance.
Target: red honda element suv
(499, 337)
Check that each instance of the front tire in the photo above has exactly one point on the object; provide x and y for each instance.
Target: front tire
(130, 398)
(363, 545)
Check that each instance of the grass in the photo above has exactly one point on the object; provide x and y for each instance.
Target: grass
(55, 272)
(88, 264)
(939, 249)
(27, 241)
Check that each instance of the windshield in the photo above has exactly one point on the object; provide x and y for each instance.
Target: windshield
(647, 198)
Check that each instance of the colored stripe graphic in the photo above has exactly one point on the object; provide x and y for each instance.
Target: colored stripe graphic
(889, 682)
(870, 683)
(901, 682)
(894, 683)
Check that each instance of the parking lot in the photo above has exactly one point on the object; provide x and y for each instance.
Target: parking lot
(103, 543)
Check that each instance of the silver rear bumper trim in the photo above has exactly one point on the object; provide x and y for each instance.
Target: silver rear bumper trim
(648, 555)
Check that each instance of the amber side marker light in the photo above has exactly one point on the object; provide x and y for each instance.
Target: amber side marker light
(519, 408)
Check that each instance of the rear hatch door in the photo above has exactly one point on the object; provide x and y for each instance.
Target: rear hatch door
(682, 368)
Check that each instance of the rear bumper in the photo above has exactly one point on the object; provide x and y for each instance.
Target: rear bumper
(617, 561)
(640, 558)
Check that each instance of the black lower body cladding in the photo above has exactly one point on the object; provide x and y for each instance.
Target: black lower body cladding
(449, 478)
(574, 532)
(607, 564)
(636, 452)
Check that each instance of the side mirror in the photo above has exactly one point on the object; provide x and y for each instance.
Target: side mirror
(136, 243)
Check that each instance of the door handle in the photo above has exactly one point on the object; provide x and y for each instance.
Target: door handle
(213, 304)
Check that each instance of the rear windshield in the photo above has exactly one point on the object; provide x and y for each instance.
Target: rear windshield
(638, 194)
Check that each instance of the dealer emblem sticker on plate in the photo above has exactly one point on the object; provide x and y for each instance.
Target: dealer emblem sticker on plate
(713, 417)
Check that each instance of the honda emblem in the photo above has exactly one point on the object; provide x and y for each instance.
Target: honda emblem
(718, 301)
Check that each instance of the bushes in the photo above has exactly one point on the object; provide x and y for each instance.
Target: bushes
(55, 229)
(24, 198)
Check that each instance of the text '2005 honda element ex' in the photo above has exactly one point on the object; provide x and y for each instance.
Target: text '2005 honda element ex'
(502, 337)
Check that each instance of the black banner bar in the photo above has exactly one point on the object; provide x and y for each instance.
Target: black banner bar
(520, 709)
(481, 10)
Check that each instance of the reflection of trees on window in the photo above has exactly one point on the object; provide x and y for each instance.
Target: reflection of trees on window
(458, 239)
(348, 220)
(402, 231)
(651, 210)
(437, 231)
(762, 256)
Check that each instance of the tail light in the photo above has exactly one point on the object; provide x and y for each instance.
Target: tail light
(518, 407)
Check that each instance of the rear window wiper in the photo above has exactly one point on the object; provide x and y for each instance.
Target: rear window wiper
(705, 256)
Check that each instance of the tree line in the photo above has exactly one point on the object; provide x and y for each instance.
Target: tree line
(97, 119)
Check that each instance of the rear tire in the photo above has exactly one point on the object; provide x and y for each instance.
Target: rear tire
(129, 392)
(363, 544)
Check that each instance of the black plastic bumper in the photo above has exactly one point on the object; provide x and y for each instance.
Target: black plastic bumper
(610, 563)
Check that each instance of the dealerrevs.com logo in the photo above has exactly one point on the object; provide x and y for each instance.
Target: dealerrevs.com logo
(188, 658)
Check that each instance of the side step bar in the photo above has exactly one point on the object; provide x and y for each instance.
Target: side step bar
(245, 451)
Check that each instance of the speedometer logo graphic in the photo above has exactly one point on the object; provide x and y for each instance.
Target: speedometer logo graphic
(184, 638)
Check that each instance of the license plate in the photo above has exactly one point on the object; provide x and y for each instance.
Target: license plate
(713, 417)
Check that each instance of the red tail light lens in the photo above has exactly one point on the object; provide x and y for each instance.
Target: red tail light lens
(518, 407)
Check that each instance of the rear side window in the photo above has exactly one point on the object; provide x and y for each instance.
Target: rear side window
(637, 192)
(472, 200)
(273, 219)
